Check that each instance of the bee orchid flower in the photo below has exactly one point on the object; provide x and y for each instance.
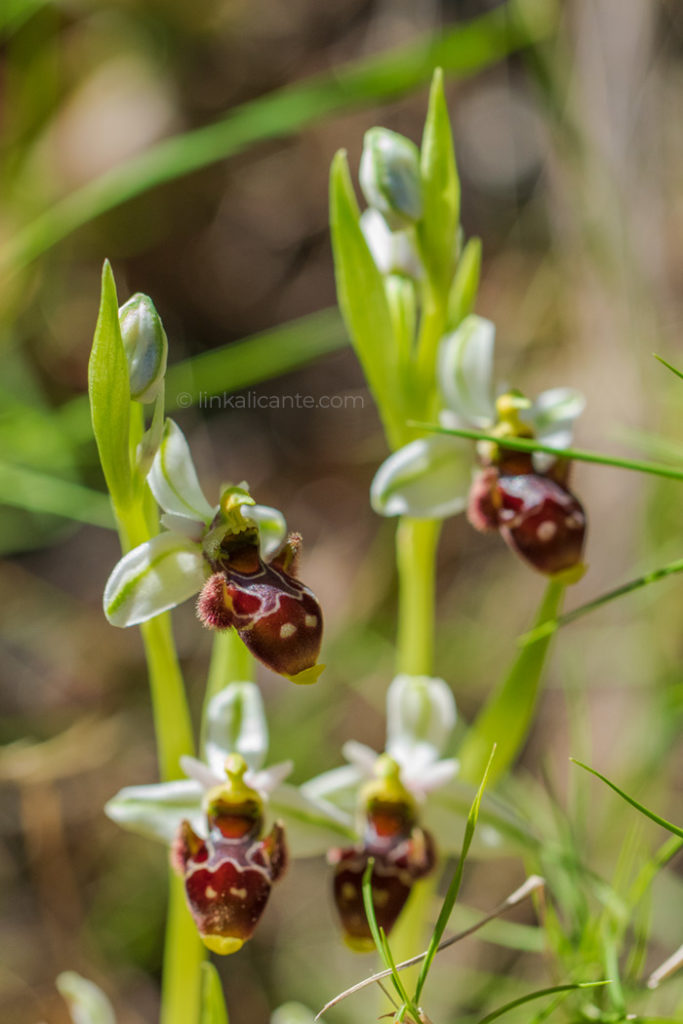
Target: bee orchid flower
(236, 556)
(215, 820)
(525, 497)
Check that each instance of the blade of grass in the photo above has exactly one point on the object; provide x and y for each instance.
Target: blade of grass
(213, 1009)
(550, 626)
(532, 884)
(668, 365)
(461, 51)
(39, 492)
(675, 829)
(539, 995)
(454, 887)
(380, 939)
(524, 444)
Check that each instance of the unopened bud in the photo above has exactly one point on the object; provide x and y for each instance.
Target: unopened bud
(389, 176)
(146, 346)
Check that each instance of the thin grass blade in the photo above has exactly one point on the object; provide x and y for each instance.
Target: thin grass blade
(675, 829)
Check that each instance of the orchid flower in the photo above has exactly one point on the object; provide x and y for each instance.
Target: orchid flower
(395, 794)
(525, 497)
(244, 551)
(214, 820)
(430, 477)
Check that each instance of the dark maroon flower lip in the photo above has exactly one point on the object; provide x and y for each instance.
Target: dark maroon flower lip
(277, 617)
(229, 874)
(536, 514)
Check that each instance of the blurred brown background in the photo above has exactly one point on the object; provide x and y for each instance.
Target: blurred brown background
(570, 151)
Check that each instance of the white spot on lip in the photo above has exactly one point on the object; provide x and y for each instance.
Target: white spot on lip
(241, 894)
(311, 621)
(287, 629)
(546, 531)
(210, 892)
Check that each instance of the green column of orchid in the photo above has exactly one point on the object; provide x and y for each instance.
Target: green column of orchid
(118, 428)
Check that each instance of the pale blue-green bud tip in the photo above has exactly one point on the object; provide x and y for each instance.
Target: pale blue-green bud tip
(389, 176)
(146, 347)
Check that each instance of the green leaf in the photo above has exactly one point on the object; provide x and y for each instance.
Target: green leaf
(463, 293)
(675, 829)
(538, 995)
(361, 294)
(454, 887)
(30, 489)
(437, 230)
(109, 391)
(508, 714)
(213, 1004)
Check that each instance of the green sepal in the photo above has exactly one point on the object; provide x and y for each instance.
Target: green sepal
(463, 293)
(109, 391)
(362, 298)
(437, 231)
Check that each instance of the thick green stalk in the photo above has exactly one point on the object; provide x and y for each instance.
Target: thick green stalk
(183, 950)
(231, 662)
(507, 716)
(416, 543)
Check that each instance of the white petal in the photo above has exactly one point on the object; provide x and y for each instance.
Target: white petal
(430, 776)
(269, 779)
(420, 719)
(173, 478)
(87, 1003)
(156, 811)
(553, 414)
(152, 578)
(272, 527)
(311, 826)
(193, 529)
(339, 784)
(293, 1013)
(362, 757)
(394, 252)
(466, 370)
(200, 772)
(427, 479)
(236, 724)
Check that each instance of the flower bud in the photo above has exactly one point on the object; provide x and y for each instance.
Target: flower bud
(402, 853)
(389, 176)
(228, 876)
(276, 616)
(146, 347)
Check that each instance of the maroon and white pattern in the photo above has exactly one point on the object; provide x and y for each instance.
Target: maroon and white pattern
(402, 852)
(536, 514)
(229, 875)
(277, 617)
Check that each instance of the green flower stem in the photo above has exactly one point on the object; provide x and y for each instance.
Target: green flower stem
(507, 716)
(231, 662)
(416, 543)
(184, 955)
(183, 950)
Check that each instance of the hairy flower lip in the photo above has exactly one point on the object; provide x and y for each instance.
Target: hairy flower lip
(239, 539)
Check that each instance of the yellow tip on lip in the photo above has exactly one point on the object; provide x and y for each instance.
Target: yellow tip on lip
(224, 945)
(308, 676)
(359, 945)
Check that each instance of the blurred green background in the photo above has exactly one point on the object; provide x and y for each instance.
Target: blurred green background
(190, 144)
